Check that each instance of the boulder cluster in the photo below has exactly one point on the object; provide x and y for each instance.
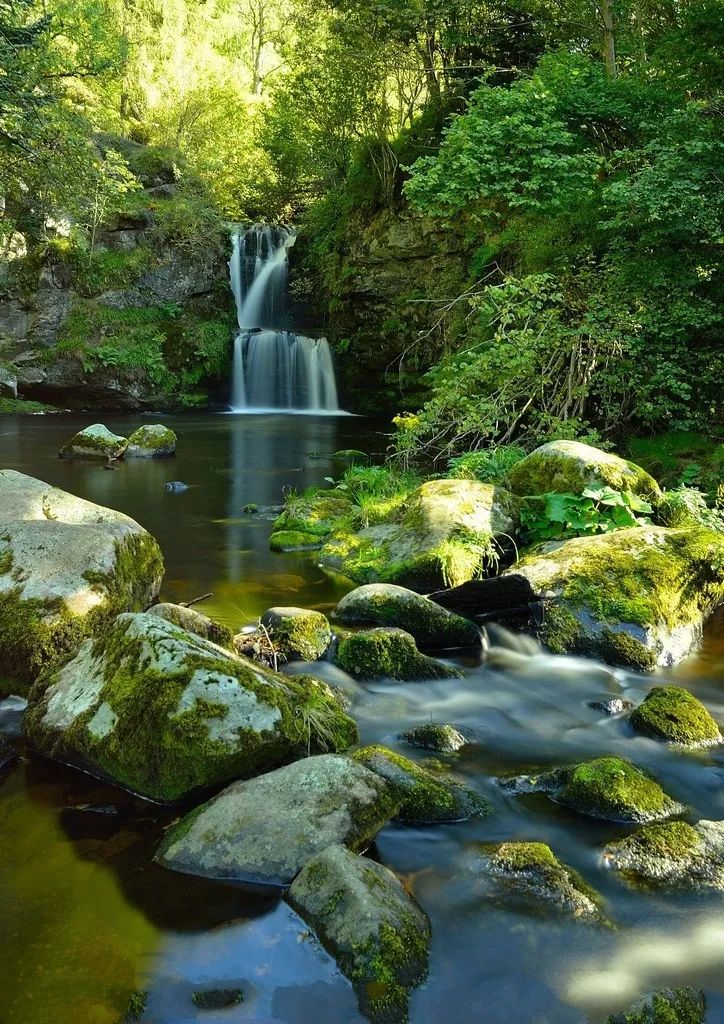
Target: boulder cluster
(151, 441)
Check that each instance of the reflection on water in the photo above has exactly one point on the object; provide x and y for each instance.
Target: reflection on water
(88, 917)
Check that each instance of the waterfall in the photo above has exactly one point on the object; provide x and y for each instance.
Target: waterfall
(274, 368)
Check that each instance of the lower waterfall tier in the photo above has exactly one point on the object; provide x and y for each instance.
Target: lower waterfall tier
(281, 370)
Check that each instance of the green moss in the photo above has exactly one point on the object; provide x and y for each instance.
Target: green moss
(431, 736)
(537, 863)
(525, 857)
(561, 631)
(670, 840)
(21, 406)
(669, 1006)
(318, 513)
(620, 648)
(427, 622)
(388, 653)
(386, 968)
(568, 467)
(616, 790)
(136, 1009)
(94, 445)
(293, 540)
(300, 635)
(672, 713)
(151, 439)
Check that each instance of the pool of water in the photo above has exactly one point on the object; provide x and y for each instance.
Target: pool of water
(87, 917)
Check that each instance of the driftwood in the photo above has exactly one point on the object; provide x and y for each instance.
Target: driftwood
(196, 600)
(500, 597)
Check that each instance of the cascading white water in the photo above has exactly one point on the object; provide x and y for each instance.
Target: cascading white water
(273, 368)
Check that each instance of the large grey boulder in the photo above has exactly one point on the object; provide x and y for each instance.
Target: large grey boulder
(265, 830)
(151, 441)
(568, 467)
(67, 567)
(384, 604)
(94, 442)
(165, 713)
(376, 932)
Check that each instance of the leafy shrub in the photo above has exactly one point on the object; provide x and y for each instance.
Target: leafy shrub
(687, 506)
(490, 465)
(599, 509)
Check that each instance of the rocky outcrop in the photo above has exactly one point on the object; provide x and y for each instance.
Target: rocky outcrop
(94, 442)
(152, 441)
(265, 830)
(67, 568)
(568, 467)
(376, 932)
(671, 854)
(388, 653)
(165, 713)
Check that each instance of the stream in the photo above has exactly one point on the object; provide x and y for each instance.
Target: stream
(87, 917)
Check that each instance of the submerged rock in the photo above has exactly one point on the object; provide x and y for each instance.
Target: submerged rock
(568, 467)
(609, 788)
(217, 998)
(673, 714)
(635, 597)
(176, 486)
(384, 604)
(194, 622)
(265, 830)
(671, 854)
(376, 932)
(427, 797)
(443, 738)
(151, 441)
(447, 532)
(386, 652)
(668, 1006)
(67, 567)
(297, 634)
(164, 712)
(530, 872)
(94, 442)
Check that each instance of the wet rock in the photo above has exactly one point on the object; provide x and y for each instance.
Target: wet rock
(176, 486)
(443, 738)
(673, 714)
(384, 604)
(388, 653)
(671, 854)
(67, 567)
(294, 540)
(217, 998)
(313, 516)
(612, 705)
(94, 442)
(531, 873)
(151, 441)
(194, 622)
(427, 797)
(569, 467)
(297, 634)
(376, 932)
(265, 830)
(635, 597)
(164, 713)
(668, 1006)
(447, 532)
(609, 787)
(7, 753)
(8, 382)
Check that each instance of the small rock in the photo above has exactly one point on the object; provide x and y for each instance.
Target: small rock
(671, 854)
(151, 441)
(673, 714)
(194, 622)
(94, 442)
(217, 998)
(297, 634)
(667, 1006)
(443, 738)
(251, 509)
(176, 486)
(612, 705)
(388, 653)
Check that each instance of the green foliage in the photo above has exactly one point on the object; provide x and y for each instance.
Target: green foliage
(687, 506)
(489, 465)
(599, 509)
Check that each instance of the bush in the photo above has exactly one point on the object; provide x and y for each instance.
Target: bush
(489, 465)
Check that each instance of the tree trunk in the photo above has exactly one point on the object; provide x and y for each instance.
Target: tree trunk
(609, 37)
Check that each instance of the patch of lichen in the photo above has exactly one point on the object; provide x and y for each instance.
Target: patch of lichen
(294, 540)
(670, 1006)
(426, 796)
(672, 713)
(388, 653)
(614, 789)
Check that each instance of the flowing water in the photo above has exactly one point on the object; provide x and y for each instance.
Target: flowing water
(87, 917)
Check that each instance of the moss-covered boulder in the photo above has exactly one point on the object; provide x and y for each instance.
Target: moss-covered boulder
(447, 532)
(610, 788)
(635, 597)
(671, 854)
(163, 712)
(383, 604)
(194, 622)
(313, 515)
(388, 653)
(151, 441)
(297, 634)
(669, 1006)
(673, 714)
(427, 797)
(376, 932)
(67, 567)
(568, 467)
(531, 874)
(94, 442)
(445, 739)
(294, 540)
(265, 830)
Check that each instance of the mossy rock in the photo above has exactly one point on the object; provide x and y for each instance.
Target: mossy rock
(610, 788)
(668, 1006)
(373, 928)
(217, 998)
(314, 515)
(671, 854)
(569, 467)
(636, 597)
(445, 533)
(265, 830)
(428, 797)
(445, 739)
(388, 653)
(673, 714)
(383, 604)
(151, 441)
(297, 634)
(165, 713)
(294, 540)
(94, 442)
(532, 874)
(136, 1009)
(352, 457)
(194, 622)
(67, 568)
